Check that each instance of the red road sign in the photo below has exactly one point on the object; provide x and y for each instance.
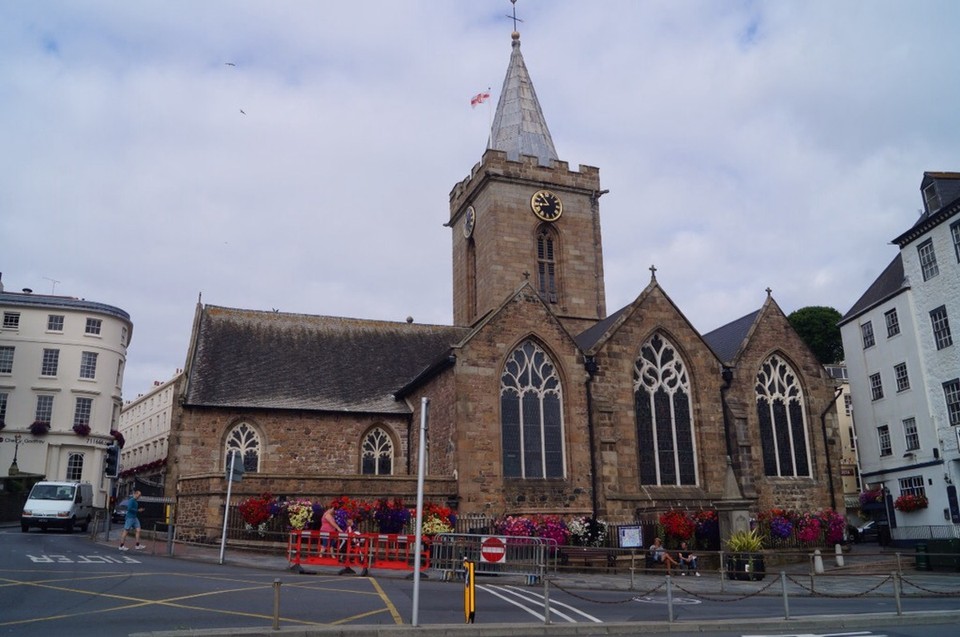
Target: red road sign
(493, 549)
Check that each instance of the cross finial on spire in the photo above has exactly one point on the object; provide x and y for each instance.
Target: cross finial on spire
(653, 273)
(526, 275)
(769, 291)
(514, 16)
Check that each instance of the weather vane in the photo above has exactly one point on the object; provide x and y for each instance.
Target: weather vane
(514, 16)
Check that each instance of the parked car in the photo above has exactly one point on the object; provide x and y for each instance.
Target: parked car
(867, 532)
(119, 513)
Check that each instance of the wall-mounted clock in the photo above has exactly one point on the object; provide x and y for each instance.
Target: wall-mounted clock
(469, 221)
(546, 205)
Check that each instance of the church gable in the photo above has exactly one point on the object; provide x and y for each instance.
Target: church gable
(522, 443)
(781, 402)
(657, 406)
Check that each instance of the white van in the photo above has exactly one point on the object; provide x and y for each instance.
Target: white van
(58, 504)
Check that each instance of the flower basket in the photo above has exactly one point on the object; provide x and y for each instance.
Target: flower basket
(256, 511)
(872, 496)
(81, 430)
(118, 437)
(908, 503)
(678, 524)
(391, 516)
(587, 531)
(39, 428)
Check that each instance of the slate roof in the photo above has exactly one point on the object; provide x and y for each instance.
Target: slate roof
(890, 282)
(519, 127)
(726, 340)
(276, 360)
(28, 299)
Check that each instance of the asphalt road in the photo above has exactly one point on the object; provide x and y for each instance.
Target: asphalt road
(58, 583)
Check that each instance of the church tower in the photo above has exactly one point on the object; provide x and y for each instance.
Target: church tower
(522, 214)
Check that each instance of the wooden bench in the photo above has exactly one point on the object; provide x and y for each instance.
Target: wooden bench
(589, 557)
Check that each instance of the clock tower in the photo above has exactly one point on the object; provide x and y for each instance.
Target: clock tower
(523, 215)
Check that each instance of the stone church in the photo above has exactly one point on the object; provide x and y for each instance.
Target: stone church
(539, 401)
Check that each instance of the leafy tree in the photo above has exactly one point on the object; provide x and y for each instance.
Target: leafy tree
(819, 329)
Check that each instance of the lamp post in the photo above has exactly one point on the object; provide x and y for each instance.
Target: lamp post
(14, 469)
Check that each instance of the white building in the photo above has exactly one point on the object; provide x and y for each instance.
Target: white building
(145, 424)
(61, 376)
(904, 369)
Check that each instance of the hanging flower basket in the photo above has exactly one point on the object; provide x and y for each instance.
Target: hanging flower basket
(39, 428)
(118, 437)
(907, 503)
(81, 430)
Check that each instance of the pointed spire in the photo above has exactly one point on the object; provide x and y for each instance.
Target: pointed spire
(518, 126)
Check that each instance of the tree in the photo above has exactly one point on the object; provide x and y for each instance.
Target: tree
(819, 329)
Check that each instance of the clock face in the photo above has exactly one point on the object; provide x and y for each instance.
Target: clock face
(546, 205)
(469, 221)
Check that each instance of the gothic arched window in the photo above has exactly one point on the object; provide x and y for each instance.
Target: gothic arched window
(783, 426)
(531, 415)
(75, 466)
(547, 264)
(665, 441)
(376, 453)
(245, 439)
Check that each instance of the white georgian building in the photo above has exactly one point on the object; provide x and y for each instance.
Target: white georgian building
(145, 424)
(61, 377)
(904, 368)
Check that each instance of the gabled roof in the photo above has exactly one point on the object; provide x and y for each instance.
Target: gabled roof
(255, 359)
(890, 283)
(519, 127)
(727, 340)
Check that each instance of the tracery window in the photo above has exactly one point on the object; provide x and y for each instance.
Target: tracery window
(245, 439)
(781, 408)
(547, 264)
(376, 453)
(661, 390)
(531, 415)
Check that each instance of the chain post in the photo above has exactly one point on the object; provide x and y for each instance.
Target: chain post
(669, 599)
(896, 592)
(276, 604)
(786, 600)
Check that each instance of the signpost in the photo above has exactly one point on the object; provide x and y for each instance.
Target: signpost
(493, 550)
(234, 474)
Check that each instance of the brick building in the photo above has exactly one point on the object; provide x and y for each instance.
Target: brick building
(539, 401)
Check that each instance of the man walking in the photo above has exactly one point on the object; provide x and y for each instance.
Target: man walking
(132, 521)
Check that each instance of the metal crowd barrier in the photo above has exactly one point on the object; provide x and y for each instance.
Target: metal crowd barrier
(529, 557)
(362, 550)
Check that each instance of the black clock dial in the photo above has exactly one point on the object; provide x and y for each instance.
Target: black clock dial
(469, 221)
(546, 205)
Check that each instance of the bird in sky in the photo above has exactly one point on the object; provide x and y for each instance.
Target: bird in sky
(229, 63)
(242, 111)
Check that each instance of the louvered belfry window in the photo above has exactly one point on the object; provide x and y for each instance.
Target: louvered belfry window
(665, 440)
(783, 427)
(546, 265)
(531, 415)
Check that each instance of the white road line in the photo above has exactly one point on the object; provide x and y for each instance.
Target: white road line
(860, 633)
(556, 603)
(510, 601)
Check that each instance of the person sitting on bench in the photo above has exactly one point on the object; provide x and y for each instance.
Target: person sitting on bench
(659, 554)
(687, 560)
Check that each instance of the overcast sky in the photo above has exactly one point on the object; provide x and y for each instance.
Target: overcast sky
(300, 155)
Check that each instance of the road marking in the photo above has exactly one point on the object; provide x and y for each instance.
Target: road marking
(536, 599)
(859, 633)
(386, 600)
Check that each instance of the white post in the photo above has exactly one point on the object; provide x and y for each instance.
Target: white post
(421, 463)
(226, 506)
(817, 562)
(839, 552)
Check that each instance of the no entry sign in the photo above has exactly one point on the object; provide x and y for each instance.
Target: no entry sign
(493, 549)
